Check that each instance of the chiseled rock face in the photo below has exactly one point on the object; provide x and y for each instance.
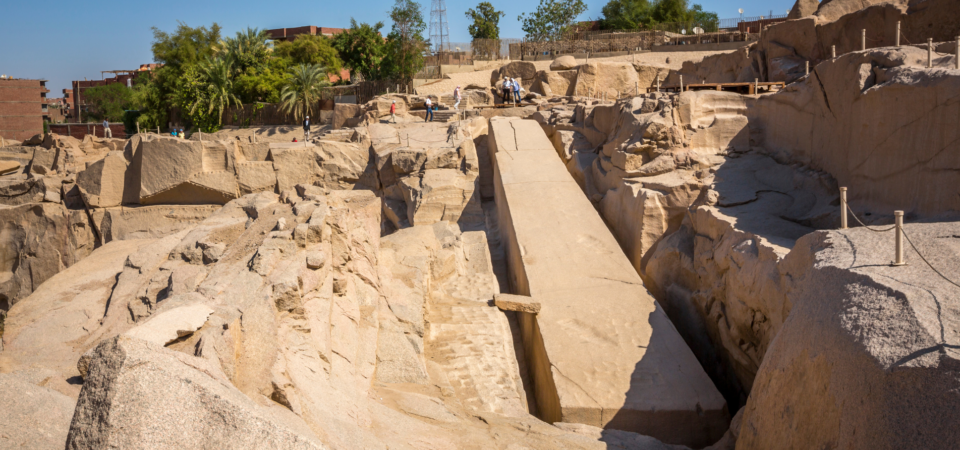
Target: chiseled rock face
(867, 347)
(34, 417)
(428, 174)
(38, 240)
(102, 183)
(721, 276)
(841, 120)
(294, 353)
(151, 390)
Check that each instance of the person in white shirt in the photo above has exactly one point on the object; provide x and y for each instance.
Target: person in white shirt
(456, 98)
(106, 129)
(506, 90)
(429, 105)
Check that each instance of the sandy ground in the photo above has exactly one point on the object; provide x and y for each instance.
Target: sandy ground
(482, 77)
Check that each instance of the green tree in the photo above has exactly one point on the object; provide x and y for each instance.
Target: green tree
(263, 85)
(249, 50)
(709, 21)
(186, 46)
(551, 19)
(207, 92)
(486, 21)
(405, 44)
(362, 49)
(109, 102)
(301, 94)
(626, 14)
(310, 50)
(150, 99)
(157, 91)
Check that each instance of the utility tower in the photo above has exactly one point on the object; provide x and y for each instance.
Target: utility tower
(439, 27)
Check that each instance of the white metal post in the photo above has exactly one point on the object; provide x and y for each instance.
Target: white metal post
(756, 86)
(843, 208)
(681, 83)
(929, 52)
(898, 220)
(863, 39)
(808, 68)
(833, 51)
(896, 40)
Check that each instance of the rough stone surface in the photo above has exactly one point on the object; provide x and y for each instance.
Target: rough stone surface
(866, 347)
(37, 240)
(34, 417)
(140, 413)
(563, 63)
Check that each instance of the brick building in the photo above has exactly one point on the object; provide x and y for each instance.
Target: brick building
(126, 77)
(23, 107)
(289, 34)
(56, 109)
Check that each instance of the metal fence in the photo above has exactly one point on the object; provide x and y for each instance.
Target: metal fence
(589, 42)
(428, 73)
(734, 23)
(492, 49)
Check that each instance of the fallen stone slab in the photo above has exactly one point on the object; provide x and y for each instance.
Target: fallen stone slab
(518, 303)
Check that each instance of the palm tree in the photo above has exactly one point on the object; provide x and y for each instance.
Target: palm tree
(301, 94)
(217, 89)
(249, 48)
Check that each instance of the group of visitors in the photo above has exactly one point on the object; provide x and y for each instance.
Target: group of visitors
(428, 104)
(178, 133)
(511, 90)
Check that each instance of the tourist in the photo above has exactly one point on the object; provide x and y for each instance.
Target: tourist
(429, 105)
(173, 132)
(456, 98)
(306, 129)
(516, 91)
(295, 140)
(106, 129)
(393, 111)
(506, 90)
(183, 135)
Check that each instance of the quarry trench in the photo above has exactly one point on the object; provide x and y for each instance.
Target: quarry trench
(659, 271)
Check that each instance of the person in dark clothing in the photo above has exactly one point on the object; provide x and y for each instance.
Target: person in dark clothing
(306, 129)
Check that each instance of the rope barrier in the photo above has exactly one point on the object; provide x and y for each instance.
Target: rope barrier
(927, 262)
(909, 241)
(867, 226)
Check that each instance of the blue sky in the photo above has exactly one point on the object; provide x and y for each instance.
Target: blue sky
(63, 41)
